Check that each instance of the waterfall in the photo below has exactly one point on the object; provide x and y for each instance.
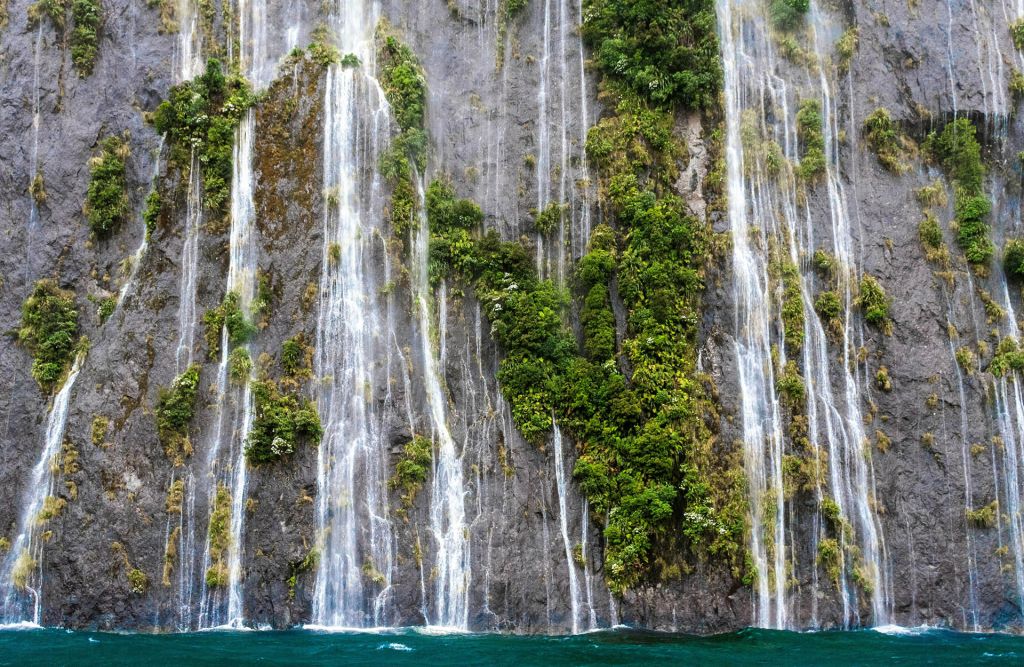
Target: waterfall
(764, 217)
(23, 564)
(140, 252)
(355, 536)
(447, 494)
(563, 519)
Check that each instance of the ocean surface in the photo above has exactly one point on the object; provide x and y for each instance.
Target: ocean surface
(35, 646)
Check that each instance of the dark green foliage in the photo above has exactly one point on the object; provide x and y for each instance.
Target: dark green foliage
(325, 54)
(1013, 258)
(106, 201)
(200, 117)
(959, 152)
(788, 14)
(402, 79)
(883, 138)
(412, 470)
(228, 314)
(828, 306)
(151, 215)
(812, 140)
(405, 88)
(106, 308)
(55, 10)
(790, 386)
(513, 7)
(351, 60)
(792, 308)
(451, 221)
(667, 53)
(85, 35)
(239, 365)
(550, 217)
(297, 357)
(49, 330)
(930, 232)
(280, 420)
(1008, 357)
(1017, 34)
(873, 301)
(176, 404)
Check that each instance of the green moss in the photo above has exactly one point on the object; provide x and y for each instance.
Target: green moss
(873, 302)
(812, 140)
(49, 331)
(828, 306)
(412, 469)
(199, 118)
(1013, 258)
(280, 421)
(883, 137)
(665, 53)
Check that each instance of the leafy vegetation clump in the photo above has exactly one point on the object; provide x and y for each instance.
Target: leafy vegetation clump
(412, 469)
(85, 35)
(812, 140)
(406, 91)
(792, 308)
(175, 408)
(957, 149)
(883, 137)
(280, 420)
(874, 302)
(219, 535)
(227, 315)
(297, 357)
(665, 53)
(1008, 357)
(1017, 33)
(451, 221)
(106, 201)
(1013, 258)
(199, 118)
(788, 14)
(151, 214)
(49, 330)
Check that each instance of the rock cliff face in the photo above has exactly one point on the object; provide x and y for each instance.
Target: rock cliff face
(506, 541)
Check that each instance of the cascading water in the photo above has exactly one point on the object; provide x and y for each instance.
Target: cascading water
(352, 512)
(563, 519)
(140, 252)
(765, 219)
(21, 579)
(447, 496)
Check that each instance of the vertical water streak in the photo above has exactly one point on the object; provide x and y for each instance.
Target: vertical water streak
(23, 563)
(447, 498)
(355, 536)
(563, 519)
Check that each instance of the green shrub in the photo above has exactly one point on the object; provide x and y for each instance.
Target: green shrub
(873, 301)
(219, 537)
(297, 357)
(176, 404)
(49, 330)
(1017, 34)
(790, 386)
(1013, 258)
(983, 517)
(239, 365)
(666, 53)
(106, 201)
(1008, 357)
(792, 308)
(812, 140)
(930, 233)
(788, 14)
(151, 215)
(85, 35)
(450, 220)
(228, 314)
(549, 218)
(199, 118)
(280, 420)
(402, 79)
(883, 138)
(828, 306)
(412, 469)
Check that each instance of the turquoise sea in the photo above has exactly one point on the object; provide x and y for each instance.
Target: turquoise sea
(418, 647)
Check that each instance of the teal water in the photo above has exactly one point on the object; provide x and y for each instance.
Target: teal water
(411, 647)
